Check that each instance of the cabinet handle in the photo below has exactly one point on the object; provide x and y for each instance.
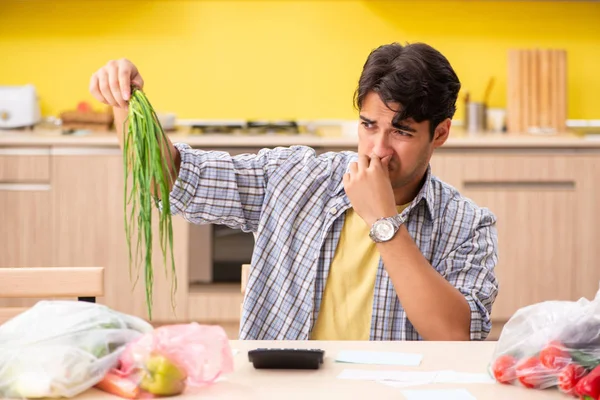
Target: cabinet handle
(25, 151)
(86, 151)
(519, 185)
(24, 187)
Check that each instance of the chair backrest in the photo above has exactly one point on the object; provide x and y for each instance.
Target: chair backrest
(245, 274)
(246, 270)
(85, 283)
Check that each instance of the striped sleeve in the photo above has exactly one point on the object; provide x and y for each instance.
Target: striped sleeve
(470, 268)
(215, 187)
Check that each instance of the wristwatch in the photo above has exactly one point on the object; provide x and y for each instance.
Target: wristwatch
(384, 229)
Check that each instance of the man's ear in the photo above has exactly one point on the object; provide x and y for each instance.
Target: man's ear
(441, 132)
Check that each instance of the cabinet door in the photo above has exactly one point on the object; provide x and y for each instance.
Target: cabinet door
(26, 236)
(25, 165)
(586, 268)
(25, 212)
(534, 197)
(90, 231)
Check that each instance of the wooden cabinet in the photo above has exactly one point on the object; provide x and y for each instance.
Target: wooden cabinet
(25, 165)
(586, 271)
(89, 228)
(544, 203)
(26, 234)
(25, 208)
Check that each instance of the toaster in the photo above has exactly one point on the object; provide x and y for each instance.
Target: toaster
(19, 107)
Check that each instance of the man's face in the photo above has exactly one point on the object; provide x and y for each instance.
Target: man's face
(408, 144)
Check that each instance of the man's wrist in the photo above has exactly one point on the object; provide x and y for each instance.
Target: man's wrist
(372, 219)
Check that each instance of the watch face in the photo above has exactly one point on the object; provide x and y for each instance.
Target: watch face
(383, 230)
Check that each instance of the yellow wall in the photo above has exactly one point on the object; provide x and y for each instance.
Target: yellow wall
(281, 59)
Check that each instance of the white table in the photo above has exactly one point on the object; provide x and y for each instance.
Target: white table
(248, 383)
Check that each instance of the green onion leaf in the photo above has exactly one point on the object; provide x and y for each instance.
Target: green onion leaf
(146, 161)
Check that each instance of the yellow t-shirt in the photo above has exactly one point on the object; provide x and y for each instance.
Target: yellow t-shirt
(347, 303)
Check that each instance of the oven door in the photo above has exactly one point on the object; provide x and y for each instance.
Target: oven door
(217, 253)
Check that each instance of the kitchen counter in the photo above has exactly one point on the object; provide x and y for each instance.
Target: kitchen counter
(458, 139)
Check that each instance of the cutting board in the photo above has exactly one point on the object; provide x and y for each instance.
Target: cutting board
(537, 91)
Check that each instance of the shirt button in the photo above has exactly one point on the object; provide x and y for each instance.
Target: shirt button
(333, 210)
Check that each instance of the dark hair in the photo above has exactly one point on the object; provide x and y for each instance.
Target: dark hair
(417, 76)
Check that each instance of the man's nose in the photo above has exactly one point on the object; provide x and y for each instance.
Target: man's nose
(382, 147)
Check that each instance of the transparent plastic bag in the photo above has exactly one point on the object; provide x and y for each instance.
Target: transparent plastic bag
(552, 344)
(62, 348)
(170, 359)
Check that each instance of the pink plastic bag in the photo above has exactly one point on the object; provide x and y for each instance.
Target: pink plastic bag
(170, 359)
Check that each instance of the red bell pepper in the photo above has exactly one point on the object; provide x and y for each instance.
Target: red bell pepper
(569, 377)
(588, 387)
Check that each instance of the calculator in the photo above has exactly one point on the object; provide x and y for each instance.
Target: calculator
(270, 358)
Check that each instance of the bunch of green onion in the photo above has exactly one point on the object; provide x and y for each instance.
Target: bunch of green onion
(147, 160)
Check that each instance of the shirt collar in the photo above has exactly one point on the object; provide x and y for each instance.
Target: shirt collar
(426, 194)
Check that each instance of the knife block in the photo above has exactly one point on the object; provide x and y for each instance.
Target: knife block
(537, 91)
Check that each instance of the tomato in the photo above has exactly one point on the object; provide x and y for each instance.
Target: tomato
(569, 377)
(531, 373)
(84, 107)
(554, 356)
(503, 368)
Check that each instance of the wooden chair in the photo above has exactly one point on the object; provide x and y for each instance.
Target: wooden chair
(245, 274)
(246, 271)
(85, 283)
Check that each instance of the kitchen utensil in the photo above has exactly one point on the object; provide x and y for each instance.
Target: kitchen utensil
(476, 117)
(167, 121)
(488, 90)
(19, 107)
(495, 119)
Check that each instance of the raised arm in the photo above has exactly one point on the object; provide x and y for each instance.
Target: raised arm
(111, 85)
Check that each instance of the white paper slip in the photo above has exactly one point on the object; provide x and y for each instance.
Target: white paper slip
(414, 378)
(234, 352)
(462, 377)
(397, 376)
(400, 384)
(379, 358)
(448, 394)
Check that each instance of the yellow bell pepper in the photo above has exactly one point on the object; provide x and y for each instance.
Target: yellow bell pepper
(162, 377)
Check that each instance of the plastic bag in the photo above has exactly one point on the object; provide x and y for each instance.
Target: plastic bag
(170, 359)
(552, 344)
(62, 348)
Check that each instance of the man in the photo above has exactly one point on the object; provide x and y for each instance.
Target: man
(367, 246)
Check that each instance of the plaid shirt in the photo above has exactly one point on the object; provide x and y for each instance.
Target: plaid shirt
(294, 200)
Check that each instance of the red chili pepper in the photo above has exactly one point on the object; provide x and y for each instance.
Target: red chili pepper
(588, 387)
(569, 377)
(555, 356)
(503, 368)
